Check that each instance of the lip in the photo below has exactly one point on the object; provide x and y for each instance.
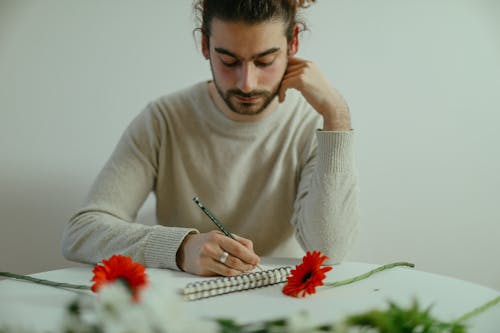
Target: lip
(242, 99)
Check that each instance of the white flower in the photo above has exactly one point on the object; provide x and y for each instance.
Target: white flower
(300, 323)
(113, 301)
(165, 310)
(117, 313)
(133, 321)
(14, 329)
(159, 310)
(80, 315)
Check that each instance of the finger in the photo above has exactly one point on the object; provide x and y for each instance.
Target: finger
(222, 269)
(246, 242)
(296, 80)
(239, 251)
(282, 92)
(210, 262)
(294, 68)
(295, 60)
(235, 263)
(290, 81)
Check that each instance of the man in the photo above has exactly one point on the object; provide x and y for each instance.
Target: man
(266, 144)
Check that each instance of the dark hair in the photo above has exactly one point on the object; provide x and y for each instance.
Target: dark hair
(250, 11)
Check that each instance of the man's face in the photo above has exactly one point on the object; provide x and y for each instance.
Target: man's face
(248, 63)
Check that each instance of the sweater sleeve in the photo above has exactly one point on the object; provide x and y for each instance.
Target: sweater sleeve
(326, 207)
(105, 225)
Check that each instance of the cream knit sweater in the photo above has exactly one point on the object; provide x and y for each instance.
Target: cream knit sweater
(266, 180)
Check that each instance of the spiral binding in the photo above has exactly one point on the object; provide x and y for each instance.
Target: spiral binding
(224, 285)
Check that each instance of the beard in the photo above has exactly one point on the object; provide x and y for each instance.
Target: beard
(230, 97)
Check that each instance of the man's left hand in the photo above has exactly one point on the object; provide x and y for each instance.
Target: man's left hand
(306, 77)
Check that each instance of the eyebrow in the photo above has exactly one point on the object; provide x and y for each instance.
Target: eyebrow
(259, 55)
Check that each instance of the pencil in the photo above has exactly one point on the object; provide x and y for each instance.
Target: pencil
(216, 221)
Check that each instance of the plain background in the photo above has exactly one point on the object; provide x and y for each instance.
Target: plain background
(422, 79)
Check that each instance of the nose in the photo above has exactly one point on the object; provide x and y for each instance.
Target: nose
(248, 79)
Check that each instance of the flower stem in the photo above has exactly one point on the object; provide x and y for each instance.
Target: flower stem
(44, 282)
(368, 274)
(478, 310)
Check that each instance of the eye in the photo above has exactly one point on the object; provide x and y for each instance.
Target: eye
(230, 63)
(264, 61)
(263, 64)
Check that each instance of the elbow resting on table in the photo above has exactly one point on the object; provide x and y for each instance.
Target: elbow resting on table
(73, 239)
(69, 243)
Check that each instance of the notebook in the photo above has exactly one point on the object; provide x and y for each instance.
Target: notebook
(224, 285)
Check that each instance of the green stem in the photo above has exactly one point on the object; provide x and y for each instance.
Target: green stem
(44, 282)
(368, 274)
(478, 310)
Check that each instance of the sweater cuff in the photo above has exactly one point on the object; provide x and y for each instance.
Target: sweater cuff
(335, 151)
(162, 245)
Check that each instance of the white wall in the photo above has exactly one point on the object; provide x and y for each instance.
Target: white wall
(420, 77)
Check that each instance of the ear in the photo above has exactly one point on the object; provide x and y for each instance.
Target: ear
(204, 46)
(293, 46)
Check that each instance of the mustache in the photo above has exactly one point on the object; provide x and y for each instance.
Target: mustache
(247, 95)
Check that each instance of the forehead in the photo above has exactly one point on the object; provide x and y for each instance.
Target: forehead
(247, 39)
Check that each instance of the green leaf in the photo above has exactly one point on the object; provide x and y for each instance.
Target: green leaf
(396, 319)
(228, 325)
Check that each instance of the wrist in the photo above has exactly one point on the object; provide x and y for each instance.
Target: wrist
(335, 112)
(180, 255)
(340, 121)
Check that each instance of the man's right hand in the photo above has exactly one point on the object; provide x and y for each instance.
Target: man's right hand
(200, 254)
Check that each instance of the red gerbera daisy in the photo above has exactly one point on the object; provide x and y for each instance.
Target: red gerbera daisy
(122, 268)
(307, 276)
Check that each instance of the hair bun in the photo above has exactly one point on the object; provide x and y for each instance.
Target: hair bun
(303, 3)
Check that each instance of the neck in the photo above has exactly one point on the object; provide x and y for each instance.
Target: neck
(221, 105)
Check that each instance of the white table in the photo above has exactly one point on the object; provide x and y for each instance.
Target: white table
(42, 307)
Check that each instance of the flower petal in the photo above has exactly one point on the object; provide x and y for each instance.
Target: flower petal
(120, 267)
(307, 276)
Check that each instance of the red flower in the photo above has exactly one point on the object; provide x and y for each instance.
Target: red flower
(307, 276)
(121, 268)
